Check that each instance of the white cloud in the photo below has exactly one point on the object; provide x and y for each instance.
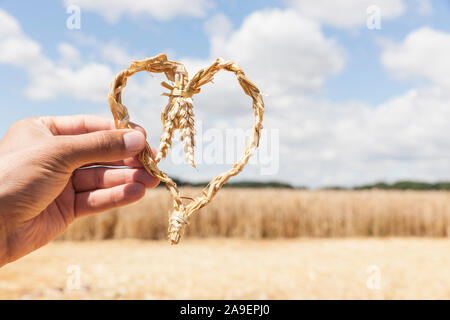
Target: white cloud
(15, 47)
(403, 138)
(113, 10)
(281, 50)
(49, 79)
(19, 51)
(424, 53)
(424, 7)
(10, 26)
(90, 82)
(218, 26)
(346, 13)
(70, 56)
(114, 54)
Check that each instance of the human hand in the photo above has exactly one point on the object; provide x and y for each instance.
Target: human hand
(42, 189)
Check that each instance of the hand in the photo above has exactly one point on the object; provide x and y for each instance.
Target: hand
(42, 189)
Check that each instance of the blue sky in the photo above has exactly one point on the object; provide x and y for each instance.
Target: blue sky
(364, 83)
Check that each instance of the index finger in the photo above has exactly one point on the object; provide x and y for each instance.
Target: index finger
(81, 124)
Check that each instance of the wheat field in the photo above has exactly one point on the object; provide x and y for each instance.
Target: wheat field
(279, 213)
(251, 244)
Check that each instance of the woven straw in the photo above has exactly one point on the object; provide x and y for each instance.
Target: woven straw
(178, 114)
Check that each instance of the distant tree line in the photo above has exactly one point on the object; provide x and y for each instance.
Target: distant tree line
(240, 184)
(400, 185)
(406, 185)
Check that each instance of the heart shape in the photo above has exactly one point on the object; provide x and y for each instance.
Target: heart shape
(178, 114)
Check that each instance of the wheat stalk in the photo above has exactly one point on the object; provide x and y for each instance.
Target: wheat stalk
(178, 114)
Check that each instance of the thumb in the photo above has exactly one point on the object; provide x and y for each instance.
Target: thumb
(100, 146)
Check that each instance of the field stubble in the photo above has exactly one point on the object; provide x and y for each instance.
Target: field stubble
(411, 268)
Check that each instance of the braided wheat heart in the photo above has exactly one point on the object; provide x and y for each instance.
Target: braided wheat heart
(178, 114)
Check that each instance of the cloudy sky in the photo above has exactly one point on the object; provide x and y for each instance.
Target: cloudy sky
(347, 103)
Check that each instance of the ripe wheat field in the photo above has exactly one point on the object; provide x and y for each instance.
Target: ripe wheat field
(279, 213)
(251, 244)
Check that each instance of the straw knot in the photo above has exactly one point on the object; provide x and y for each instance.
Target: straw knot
(182, 93)
(177, 221)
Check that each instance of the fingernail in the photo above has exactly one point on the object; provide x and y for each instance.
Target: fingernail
(134, 141)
